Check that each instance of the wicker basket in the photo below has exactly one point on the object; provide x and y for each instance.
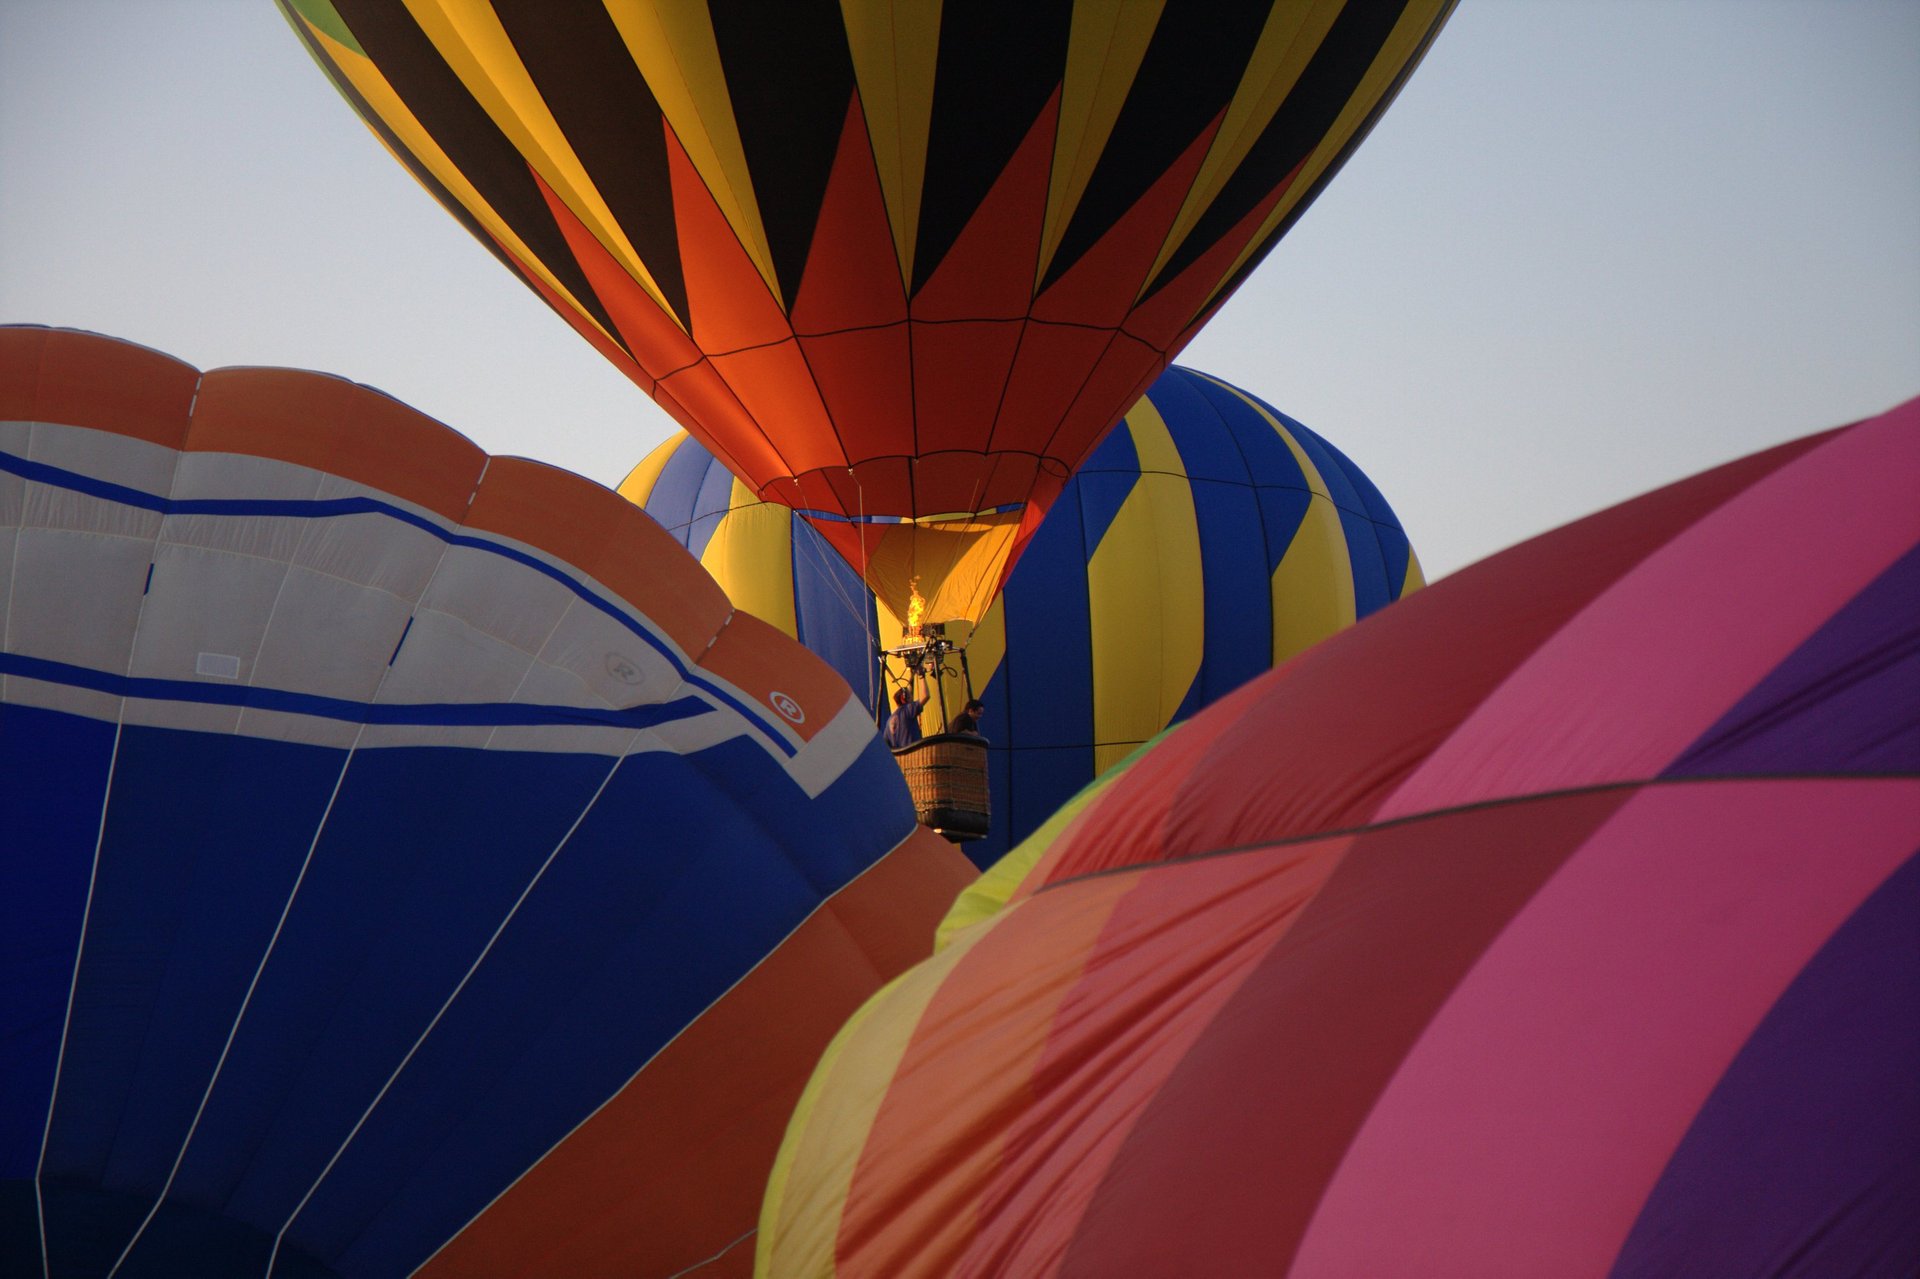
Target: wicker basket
(947, 775)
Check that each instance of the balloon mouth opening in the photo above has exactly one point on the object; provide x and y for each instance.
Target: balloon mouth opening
(940, 517)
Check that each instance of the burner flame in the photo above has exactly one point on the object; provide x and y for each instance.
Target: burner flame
(916, 607)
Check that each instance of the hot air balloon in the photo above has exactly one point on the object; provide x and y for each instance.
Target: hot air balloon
(1559, 921)
(1209, 537)
(900, 267)
(409, 855)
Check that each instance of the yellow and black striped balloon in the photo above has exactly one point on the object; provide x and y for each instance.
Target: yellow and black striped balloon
(899, 265)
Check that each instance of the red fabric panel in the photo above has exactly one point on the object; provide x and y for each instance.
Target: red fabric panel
(84, 379)
(1235, 1149)
(1048, 371)
(959, 373)
(945, 482)
(657, 343)
(671, 1170)
(1168, 313)
(776, 388)
(1101, 288)
(940, 1131)
(1142, 805)
(1343, 724)
(727, 297)
(852, 278)
(989, 271)
(866, 378)
(1116, 384)
(717, 414)
(1170, 958)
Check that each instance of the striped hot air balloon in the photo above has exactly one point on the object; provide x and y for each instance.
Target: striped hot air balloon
(899, 265)
(397, 846)
(1564, 920)
(1208, 538)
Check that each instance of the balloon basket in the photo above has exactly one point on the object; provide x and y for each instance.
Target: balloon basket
(947, 776)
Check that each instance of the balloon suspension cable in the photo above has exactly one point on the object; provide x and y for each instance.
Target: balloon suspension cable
(867, 622)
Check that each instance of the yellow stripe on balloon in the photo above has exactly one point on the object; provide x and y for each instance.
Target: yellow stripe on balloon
(1105, 46)
(1418, 24)
(380, 98)
(1416, 578)
(1312, 586)
(1313, 583)
(1286, 45)
(751, 555)
(895, 50)
(1144, 598)
(638, 486)
(836, 1113)
(478, 50)
(675, 49)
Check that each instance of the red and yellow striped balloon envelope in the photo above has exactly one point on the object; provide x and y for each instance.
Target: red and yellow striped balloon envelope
(1560, 920)
(898, 265)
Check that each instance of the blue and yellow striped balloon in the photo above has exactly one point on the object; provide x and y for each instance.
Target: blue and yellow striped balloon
(1208, 538)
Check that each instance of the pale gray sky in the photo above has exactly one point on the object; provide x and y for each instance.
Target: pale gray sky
(1596, 245)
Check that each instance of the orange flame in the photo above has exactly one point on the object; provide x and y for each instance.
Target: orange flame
(915, 607)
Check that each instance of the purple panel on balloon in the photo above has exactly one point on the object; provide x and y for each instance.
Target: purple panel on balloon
(1847, 700)
(1806, 1157)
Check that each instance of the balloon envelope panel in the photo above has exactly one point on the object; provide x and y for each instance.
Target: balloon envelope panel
(1559, 921)
(885, 260)
(1207, 539)
(398, 840)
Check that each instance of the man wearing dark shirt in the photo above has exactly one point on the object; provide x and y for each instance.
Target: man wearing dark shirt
(968, 720)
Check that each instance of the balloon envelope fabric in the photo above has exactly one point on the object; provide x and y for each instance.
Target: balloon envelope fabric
(900, 265)
(1563, 920)
(409, 856)
(1208, 538)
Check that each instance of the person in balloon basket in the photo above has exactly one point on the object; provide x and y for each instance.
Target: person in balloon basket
(903, 726)
(968, 720)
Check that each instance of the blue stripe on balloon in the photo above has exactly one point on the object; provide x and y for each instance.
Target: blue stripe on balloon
(1104, 483)
(53, 476)
(833, 611)
(433, 714)
(710, 506)
(677, 488)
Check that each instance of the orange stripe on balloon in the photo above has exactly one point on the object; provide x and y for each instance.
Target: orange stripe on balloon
(852, 278)
(657, 341)
(775, 386)
(340, 427)
(761, 661)
(608, 538)
(728, 304)
(670, 1171)
(970, 1058)
(84, 379)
